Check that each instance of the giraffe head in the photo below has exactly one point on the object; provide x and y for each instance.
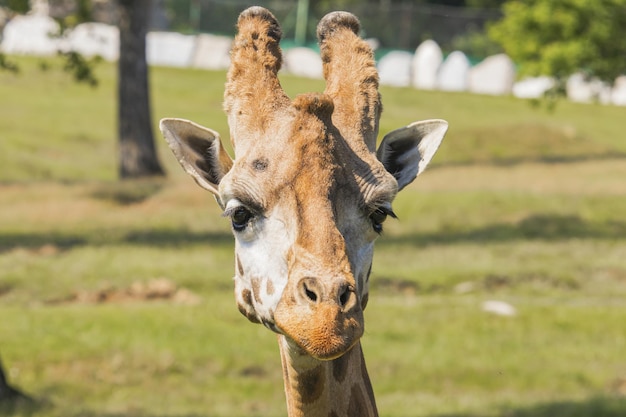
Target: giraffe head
(307, 192)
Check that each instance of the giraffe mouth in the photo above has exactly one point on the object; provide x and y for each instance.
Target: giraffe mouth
(270, 324)
(325, 333)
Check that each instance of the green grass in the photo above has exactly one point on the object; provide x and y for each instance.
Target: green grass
(521, 205)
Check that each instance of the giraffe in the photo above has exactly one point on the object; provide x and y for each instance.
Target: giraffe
(306, 194)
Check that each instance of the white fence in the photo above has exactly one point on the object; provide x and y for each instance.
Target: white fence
(426, 68)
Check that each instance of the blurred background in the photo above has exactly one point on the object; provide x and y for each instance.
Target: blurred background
(395, 24)
(500, 290)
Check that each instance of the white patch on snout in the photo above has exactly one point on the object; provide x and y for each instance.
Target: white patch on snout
(262, 251)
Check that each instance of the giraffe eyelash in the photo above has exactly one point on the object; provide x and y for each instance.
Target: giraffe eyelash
(383, 207)
(387, 210)
(378, 217)
(236, 203)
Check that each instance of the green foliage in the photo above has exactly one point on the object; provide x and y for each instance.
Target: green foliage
(476, 44)
(8, 65)
(560, 37)
(67, 22)
(17, 6)
(81, 68)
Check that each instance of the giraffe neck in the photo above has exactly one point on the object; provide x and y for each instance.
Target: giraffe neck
(335, 388)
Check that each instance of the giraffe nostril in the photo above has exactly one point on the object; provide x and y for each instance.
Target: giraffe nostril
(309, 288)
(347, 297)
(344, 297)
(310, 294)
(312, 291)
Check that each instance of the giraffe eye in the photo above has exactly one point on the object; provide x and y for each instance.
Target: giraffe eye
(240, 218)
(379, 216)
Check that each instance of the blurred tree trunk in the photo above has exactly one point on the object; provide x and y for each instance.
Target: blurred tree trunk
(138, 157)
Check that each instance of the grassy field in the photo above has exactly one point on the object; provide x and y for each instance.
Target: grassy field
(521, 205)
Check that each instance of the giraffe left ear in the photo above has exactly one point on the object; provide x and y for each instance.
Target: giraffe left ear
(199, 151)
(406, 152)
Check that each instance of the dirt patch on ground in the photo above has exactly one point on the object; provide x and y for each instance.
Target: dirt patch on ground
(395, 286)
(618, 386)
(161, 289)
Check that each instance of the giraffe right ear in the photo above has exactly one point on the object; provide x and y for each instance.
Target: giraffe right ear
(405, 152)
(199, 151)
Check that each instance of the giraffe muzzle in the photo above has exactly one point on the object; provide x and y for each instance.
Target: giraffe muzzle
(324, 318)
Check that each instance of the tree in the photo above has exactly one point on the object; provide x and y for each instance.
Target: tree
(138, 157)
(137, 151)
(560, 37)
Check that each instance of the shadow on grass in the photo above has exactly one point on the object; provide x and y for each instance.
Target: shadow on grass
(128, 192)
(134, 414)
(46, 408)
(592, 407)
(547, 227)
(13, 402)
(155, 237)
